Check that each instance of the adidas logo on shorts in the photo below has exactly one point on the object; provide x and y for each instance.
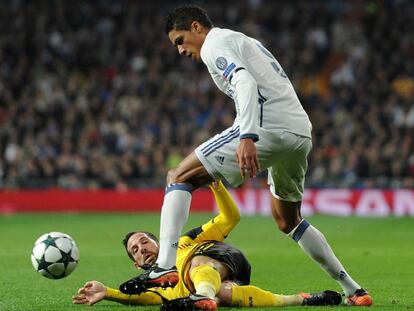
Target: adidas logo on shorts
(220, 159)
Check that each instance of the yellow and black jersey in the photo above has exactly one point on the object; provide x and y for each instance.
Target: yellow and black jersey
(204, 240)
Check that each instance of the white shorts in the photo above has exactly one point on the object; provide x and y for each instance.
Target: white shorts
(282, 153)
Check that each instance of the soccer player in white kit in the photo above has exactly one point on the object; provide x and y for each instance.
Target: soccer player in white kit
(271, 131)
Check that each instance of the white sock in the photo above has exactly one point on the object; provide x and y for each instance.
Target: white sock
(206, 289)
(314, 244)
(174, 215)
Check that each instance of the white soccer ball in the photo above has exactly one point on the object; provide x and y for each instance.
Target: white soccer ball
(55, 255)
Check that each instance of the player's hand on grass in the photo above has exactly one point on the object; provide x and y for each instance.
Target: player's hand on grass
(246, 156)
(91, 293)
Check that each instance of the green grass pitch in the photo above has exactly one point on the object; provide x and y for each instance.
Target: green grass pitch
(378, 253)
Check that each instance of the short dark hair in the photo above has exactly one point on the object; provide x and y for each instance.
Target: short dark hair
(182, 17)
(128, 235)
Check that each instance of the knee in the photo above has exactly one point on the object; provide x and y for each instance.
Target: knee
(222, 270)
(200, 261)
(177, 175)
(171, 176)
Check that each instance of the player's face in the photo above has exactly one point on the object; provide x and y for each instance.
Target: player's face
(188, 43)
(143, 249)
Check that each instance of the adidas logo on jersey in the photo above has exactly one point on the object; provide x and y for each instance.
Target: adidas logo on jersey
(220, 159)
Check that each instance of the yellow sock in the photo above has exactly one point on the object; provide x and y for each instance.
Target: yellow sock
(252, 296)
(206, 280)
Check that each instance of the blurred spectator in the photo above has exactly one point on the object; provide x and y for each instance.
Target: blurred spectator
(92, 95)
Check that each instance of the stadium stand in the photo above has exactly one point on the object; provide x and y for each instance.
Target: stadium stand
(92, 95)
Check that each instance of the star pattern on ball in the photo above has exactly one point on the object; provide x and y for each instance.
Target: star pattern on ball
(43, 264)
(66, 258)
(50, 241)
(55, 247)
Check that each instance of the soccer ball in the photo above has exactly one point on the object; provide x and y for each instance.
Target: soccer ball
(55, 255)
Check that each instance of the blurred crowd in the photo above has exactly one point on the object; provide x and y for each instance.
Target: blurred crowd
(93, 95)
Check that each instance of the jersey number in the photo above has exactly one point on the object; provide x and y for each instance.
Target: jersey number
(276, 66)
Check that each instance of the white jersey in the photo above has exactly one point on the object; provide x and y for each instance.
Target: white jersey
(247, 72)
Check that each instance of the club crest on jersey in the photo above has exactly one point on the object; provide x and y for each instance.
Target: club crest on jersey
(221, 63)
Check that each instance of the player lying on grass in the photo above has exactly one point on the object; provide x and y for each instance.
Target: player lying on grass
(209, 271)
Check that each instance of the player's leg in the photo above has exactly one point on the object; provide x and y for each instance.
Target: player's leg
(206, 274)
(213, 262)
(189, 175)
(234, 295)
(204, 278)
(315, 245)
(212, 160)
(286, 179)
(209, 266)
(312, 242)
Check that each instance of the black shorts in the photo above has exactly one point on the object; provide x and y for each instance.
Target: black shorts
(230, 256)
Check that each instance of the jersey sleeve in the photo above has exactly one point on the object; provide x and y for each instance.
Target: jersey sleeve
(144, 299)
(224, 60)
(220, 226)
